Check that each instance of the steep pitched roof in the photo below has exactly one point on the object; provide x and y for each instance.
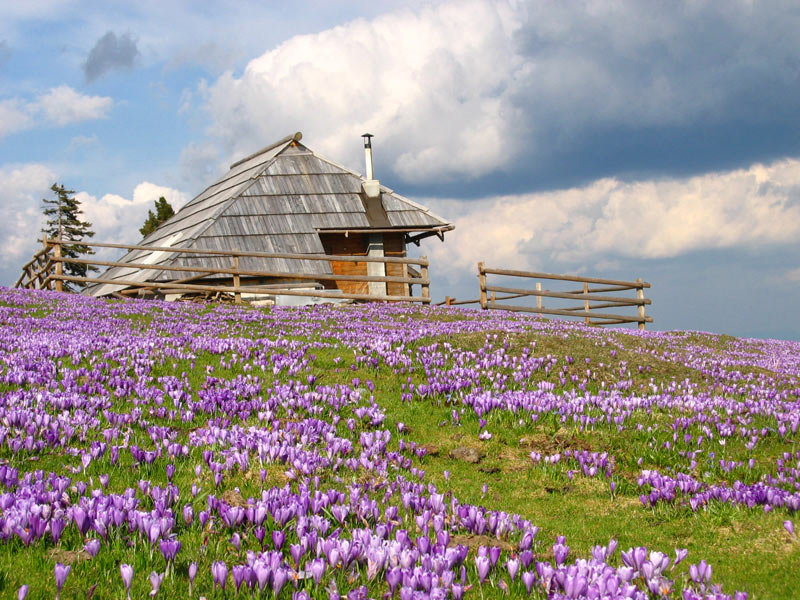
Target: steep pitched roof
(276, 200)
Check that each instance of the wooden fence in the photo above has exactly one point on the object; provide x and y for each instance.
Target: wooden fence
(46, 271)
(592, 296)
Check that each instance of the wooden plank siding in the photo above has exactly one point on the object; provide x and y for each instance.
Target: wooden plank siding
(354, 244)
(394, 245)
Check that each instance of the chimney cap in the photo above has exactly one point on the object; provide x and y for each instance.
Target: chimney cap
(367, 139)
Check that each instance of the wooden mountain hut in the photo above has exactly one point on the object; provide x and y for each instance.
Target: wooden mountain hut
(285, 199)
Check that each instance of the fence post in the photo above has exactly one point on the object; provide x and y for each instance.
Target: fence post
(539, 298)
(447, 300)
(586, 302)
(482, 284)
(59, 265)
(237, 282)
(640, 296)
(423, 271)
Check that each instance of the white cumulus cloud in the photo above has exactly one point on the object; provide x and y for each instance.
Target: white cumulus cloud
(114, 218)
(608, 219)
(118, 219)
(63, 105)
(58, 107)
(430, 80)
(20, 213)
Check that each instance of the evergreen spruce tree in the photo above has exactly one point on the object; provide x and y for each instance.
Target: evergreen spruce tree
(163, 212)
(64, 221)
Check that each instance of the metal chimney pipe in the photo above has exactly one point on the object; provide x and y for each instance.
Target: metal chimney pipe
(368, 153)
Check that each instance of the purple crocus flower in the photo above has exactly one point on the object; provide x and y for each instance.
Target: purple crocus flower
(528, 579)
(701, 572)
(22, 592)
(789, 527)
(512, 564)
(92, 547)
(219, 573)
(239, 573)
(61, 572)
(126, 571)
(192, 575)
(680, 554)
(279, 577)
(169, 549)
(393, 578)
(318, 569)
(155, 582)
(483, 565)
(278, 537)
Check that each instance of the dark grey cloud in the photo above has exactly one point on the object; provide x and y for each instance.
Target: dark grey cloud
(642, 89)
(110, 53)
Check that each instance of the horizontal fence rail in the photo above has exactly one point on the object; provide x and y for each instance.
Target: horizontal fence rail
(592, 296)
(46, 271)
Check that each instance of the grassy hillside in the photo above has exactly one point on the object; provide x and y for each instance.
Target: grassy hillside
(388, 451)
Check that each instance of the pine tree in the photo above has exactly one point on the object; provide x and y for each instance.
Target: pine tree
(163, 212)
(64, 221)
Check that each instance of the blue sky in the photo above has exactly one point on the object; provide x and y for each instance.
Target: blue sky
(621, 139)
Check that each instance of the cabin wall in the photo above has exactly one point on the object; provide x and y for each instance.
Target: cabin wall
(394, 245)
(357, 244)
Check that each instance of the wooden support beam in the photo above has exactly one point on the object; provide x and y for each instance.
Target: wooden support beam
(566, 295)
(59, 267)
(566, 313)
(482, 284)
(640, 296)
(245, 289)
(271, 274)
(423, 271)
(202, 252)
(530, 274)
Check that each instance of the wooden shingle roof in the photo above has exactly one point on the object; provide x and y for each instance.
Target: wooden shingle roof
(276, 200)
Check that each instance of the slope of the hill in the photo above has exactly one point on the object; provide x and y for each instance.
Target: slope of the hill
(385, 450)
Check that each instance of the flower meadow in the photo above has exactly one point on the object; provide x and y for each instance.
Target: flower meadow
(176, 450)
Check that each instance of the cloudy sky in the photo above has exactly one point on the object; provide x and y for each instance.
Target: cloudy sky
(613, 138)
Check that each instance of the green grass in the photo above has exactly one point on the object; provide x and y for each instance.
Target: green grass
(748, 548)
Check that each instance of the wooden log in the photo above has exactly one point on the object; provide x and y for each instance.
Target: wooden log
(59, 267)
(566, 313)
(602, 290)
(482, 285)
(423, 271)
(640, 295)
(200, 251)
(463, 302)
(568, 296)
(586, 306)
(245, 289)
(619, 321)
(237, 282)
(271, 274)
(633, 302)
(513, 273)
